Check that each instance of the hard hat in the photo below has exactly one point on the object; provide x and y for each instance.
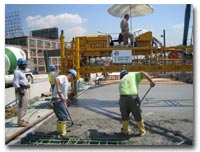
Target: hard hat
(21, 61)
(52, 67)
(123, 73)
(73, 72)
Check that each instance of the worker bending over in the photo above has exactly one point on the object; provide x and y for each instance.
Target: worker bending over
(59, 98)
(21, 85)
(129, 101)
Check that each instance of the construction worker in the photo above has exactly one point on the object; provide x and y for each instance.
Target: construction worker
(129, 101)
(21, 84)
(125, 30)
(59, 98)
(51, 76)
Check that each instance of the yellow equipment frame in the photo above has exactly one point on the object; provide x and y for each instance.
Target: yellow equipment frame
(99, 46)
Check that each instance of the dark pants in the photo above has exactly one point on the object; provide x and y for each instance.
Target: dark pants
(128, 104)
(60, 111)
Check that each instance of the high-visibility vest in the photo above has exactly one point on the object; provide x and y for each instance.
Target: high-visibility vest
(129, 84)
(51, 77)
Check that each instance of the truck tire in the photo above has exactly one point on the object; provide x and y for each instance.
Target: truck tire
(29, 78)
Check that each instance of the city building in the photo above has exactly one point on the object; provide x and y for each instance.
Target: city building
(35, 48)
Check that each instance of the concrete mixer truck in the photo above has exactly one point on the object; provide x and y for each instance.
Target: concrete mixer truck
(12, 54)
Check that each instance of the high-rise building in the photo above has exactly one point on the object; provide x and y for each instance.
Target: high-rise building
(13, 25)
(49, 33)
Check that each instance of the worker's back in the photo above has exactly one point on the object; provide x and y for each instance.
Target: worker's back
(129, 84)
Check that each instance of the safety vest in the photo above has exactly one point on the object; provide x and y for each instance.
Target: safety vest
(51, 77)
(129, 84)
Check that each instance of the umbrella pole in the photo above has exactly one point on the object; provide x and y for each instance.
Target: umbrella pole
(130, 19)
(131, 24)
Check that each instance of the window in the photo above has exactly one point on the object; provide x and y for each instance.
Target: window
(40, 43)
(47, 44)
(58, 45)
(41, 69)
(32, 42)
(53, 44)
(41, 61)
(40, 52)
(33, 52)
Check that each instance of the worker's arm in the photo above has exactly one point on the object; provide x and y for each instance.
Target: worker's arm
(147, 76)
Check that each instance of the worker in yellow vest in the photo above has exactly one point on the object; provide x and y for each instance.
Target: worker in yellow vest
(129, 101)
(52, 75)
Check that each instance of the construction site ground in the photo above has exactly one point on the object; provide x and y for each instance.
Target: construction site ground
(167, 111)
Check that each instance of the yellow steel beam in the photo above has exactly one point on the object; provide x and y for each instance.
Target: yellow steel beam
(147, 68)
(77, 57)
(62, 51)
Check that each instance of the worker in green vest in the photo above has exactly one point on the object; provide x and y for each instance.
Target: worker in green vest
(129, 101)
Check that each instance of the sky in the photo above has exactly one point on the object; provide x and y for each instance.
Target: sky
(88, 19)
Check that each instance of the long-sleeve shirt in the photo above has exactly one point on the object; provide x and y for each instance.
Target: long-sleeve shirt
(19, 78)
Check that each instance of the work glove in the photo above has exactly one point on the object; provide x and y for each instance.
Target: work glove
(62, 97)
(152, 84)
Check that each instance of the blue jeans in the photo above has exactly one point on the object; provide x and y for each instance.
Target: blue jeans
(60, 111)
(52, 87)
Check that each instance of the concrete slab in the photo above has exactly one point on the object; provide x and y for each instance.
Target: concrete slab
(167, 112)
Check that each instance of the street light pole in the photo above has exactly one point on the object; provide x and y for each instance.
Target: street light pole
(164, 44)
(163, 36)
(164, 40)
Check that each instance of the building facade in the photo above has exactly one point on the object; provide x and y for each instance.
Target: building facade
(34, 48)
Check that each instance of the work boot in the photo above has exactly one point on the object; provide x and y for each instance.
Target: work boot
(23, 123)
(58, 127)
(125, 129)
(142, 130)
(61, 128)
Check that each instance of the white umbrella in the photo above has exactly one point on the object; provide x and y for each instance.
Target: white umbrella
(134, 10)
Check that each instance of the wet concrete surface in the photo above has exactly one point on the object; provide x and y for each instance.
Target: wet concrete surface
(167, 112)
